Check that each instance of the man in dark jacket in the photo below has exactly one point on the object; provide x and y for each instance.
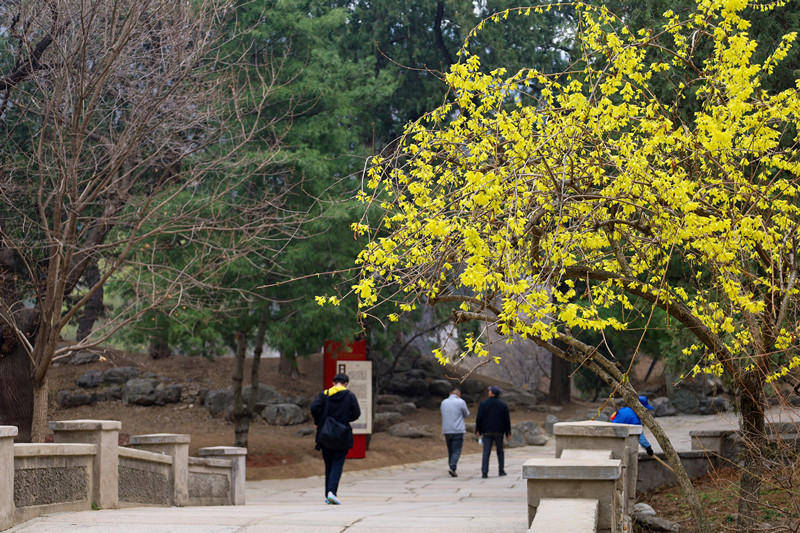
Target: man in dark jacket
(492, 423)
(341, 405)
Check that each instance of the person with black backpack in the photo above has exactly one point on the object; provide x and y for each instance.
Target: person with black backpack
(333, 409)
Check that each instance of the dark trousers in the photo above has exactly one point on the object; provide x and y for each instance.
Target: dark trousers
(334, 463)
(455, 441)
(488, 439)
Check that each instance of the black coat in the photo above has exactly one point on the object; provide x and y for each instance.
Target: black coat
(493, 417)
(342, 406)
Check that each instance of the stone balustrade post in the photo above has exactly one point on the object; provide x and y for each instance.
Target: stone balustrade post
(104, 434)
(175, 445)
(237, 456)
(621, 439)
(7, 434)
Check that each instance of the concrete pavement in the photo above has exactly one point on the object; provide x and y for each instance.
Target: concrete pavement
(415, 497)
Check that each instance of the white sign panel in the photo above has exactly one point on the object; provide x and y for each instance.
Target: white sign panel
(360, 374)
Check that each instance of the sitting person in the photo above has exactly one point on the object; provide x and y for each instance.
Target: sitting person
(626, 415)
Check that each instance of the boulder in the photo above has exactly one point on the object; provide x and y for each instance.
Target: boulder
(305, 432)
(440, 388)
(109, 393)
(79, 358)
(711, 406)
(644, 509)
(432, 368)
(388, 399)
(90, 379)
(168, 394)
(407, 431)
(265, 395)
(526, 434)
(650, 522)
(74, 398)
(218, 401)
(662, 407)
(140, 391)
(685, 401)
(406, 408)
(284, 414)
(515, 398)
(408, 384)
(703, 384)
(549, 422)
(382, 421)
(120, 374)
(602, 416)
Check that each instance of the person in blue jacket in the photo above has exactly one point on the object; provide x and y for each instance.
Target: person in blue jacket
(626, 415)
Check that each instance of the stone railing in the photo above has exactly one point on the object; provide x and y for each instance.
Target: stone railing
(85, 468)
(591, 483)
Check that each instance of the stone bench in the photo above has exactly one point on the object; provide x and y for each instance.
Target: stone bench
(598, 479)
(565, 515)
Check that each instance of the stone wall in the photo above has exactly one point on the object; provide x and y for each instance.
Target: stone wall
(85, 468)
(50, 478)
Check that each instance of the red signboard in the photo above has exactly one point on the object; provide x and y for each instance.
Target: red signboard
(333, 354)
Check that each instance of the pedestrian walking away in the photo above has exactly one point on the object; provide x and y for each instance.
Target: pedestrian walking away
(626, 415)
(454, 409)
(333, 409)
(493, 422)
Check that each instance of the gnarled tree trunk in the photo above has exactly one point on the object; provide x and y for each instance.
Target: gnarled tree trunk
(752, 406)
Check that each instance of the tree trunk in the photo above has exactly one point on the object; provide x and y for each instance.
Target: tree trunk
(94, 305)
(287, 366)
(254, 385)
(39, 421)
(752, 405)
(240, 417)
(559, 381)
(16, 392)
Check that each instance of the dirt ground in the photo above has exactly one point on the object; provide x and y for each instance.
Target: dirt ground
(275, 452)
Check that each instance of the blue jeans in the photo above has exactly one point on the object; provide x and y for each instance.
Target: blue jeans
(334, 463)
(454, 441)
(488, 439)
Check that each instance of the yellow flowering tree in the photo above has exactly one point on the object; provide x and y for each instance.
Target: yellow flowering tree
(545, 204)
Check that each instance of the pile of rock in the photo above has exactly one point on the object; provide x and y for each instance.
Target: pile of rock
(124, 383)
(526, 434)
(273, 407)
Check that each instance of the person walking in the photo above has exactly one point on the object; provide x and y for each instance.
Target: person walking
(492, 423)
(626, 415)
(454, 409)
(333, 409)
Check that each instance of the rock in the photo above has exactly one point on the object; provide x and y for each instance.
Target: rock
(654, 523)
(703, 384)
(201, 396)
(521, 399)
(406, 408)
(527, 434)
(440, 388)
(389, 399)
(284, 414)
(472, 389)
(302, 401)
(168, 394)
(549, 422)
(90, 379)
(265, 395)
(715, 405)
(74, 398)
(432, 368)
(79, 358)
(408, 384)
(305, 432)
(685, 401)
(382, 421)
(120, 374)
(139, 391)
(644, 509)
(407, 431)
(416, 373)
(663, 407)
(217, 401)
(109, 393)
(602, 416)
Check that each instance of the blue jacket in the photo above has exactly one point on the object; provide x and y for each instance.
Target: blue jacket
(626, 415)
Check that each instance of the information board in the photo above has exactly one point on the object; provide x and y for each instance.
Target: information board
(360, 374)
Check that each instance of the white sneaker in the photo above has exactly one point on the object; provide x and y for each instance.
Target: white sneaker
(333, 499)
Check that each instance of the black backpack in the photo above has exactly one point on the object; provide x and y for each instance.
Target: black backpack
(333, 434)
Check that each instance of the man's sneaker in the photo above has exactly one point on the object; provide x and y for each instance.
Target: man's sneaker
(452, 472)
(484, 476)
(333, 499)
(503, 473)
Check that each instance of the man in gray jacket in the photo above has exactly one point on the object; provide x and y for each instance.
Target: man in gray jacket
(454, 409)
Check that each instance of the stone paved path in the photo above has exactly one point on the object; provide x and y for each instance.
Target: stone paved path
(417, 497)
